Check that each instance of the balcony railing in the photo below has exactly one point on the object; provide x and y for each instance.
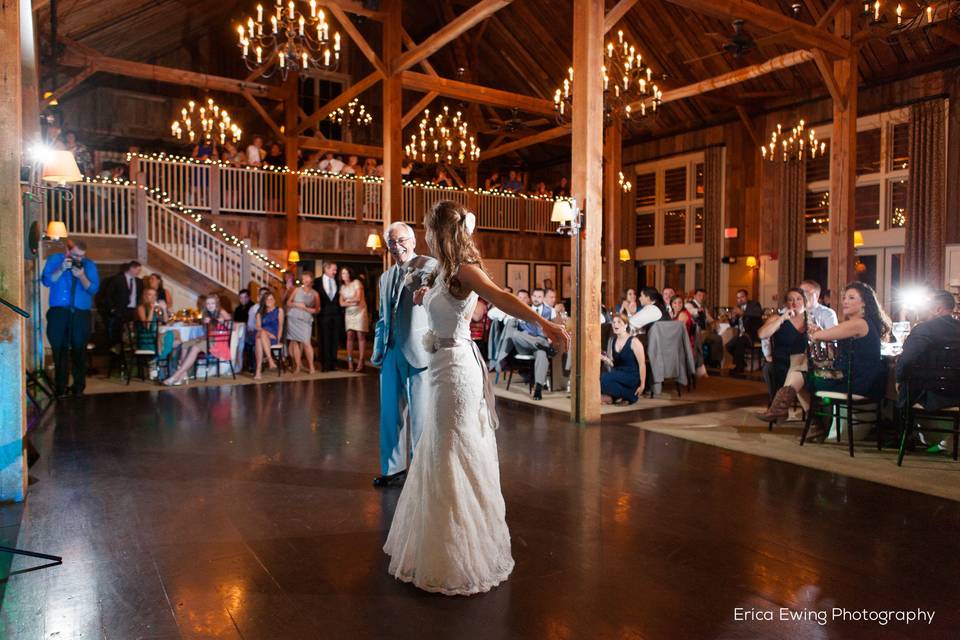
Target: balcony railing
(219, 188)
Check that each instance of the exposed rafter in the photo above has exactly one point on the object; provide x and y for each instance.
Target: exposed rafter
(826, 72)
(71, 84)
(415, 110)
(536, 138)
(341, 100)
(358, 40)
(616, 13)
(475, 93)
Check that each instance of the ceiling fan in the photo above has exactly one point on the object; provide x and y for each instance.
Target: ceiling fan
(515, 124)
(737, 44)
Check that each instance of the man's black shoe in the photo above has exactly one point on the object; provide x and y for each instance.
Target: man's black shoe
(394, 480)
(538, 392)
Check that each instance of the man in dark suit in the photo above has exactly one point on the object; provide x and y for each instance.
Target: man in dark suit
(330, 316)
(121, 294)
(747, 317)
(933, 334)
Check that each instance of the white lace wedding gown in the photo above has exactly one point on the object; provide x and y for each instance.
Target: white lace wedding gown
(449, 534)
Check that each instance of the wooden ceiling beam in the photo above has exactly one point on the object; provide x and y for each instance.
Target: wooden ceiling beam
(462, 23)
(734, 77)
(356, 7)
(409, 43)
(537, 138)
(616, 13)
(70, 85)
(827, 18)
(475, 93)
(82, 56)
(748, 125)
(826, 72)
(422, 104)
(341, 100)
(798, 33)
(357, 37)
(263, 113)
(338, 146)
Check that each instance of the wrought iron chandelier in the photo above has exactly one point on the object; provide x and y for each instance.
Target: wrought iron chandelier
(353, 116)
(912, 15)
(299, 41)
(444, 138)
(627, 79)
(209, 123)
(797, 144)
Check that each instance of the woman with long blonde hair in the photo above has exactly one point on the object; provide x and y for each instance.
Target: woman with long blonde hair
(449, 533)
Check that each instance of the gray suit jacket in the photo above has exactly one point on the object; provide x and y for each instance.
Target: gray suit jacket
(402, 323)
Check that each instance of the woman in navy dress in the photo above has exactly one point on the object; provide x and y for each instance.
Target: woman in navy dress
(864, 327)
(627, 375)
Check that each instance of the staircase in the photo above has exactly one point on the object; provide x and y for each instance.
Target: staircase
(128, 221)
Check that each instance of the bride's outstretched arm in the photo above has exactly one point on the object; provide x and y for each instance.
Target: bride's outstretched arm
(473, 277)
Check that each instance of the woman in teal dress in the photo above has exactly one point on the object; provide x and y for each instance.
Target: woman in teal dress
(150, 315)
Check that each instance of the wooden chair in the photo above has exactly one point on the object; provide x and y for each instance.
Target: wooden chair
(828, 404)
(276, 351)
(938, 374)
(524, 364)
(217, 349)
(143, 346)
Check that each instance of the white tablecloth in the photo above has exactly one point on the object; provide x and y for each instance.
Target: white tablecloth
(193, 331)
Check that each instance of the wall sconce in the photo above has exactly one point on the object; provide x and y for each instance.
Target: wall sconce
(625, 255)
(374, 243)
(857, 239)
(751, 262)
(293, 256)
(56, 230)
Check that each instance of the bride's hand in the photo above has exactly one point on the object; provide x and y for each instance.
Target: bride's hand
(418, 295)
(557, 334)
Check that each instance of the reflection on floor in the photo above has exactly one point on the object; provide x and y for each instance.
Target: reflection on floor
(247, 512)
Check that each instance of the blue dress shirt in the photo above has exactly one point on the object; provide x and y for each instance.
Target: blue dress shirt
(68, 291)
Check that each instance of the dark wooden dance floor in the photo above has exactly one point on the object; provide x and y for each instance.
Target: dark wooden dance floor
(247, 512)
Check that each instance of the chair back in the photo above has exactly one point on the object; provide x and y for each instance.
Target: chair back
(143, 336)
(669, 352)
(937, 372)
(830, 360)
(218, 339)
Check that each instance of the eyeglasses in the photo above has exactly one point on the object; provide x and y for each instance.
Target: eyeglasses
(393, 244)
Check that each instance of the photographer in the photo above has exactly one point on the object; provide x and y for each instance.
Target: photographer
(73, 280)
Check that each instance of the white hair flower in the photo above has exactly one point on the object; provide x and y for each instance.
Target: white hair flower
(470, 222)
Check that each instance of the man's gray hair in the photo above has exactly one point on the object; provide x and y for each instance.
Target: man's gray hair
(402, 226)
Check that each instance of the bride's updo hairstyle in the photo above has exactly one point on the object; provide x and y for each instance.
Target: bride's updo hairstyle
(450, 241)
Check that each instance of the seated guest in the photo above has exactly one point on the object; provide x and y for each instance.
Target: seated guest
(529, 339)
(269, 328)
(164, 297)
(629, 305)
(679, 314)
(212, 316)
(625, 358)
(513, 182)
(864, 327)
(818, 314)
(747, 318)
(938, 329)
(787, 333)
(241, 312)
(150, 315)
(480, 325)
(652, 310)
(712, 341)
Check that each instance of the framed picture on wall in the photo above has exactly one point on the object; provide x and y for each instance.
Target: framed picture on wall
(518, 275)
(566, 281)
(545, 275)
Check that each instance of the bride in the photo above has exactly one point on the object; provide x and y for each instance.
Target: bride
(449, 533)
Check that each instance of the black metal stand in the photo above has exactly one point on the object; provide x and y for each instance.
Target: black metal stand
(55, 560)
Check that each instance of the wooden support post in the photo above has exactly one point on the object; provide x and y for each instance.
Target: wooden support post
(246, 271)
(13, 468)
(843, 165)
(215, 189)
(612, 201)
(587, 189)
(392, 202)
(139, 209)
(291, 197)
(358, 201)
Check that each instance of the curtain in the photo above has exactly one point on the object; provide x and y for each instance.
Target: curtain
(712, 223)
(791, 229)
(926, 210)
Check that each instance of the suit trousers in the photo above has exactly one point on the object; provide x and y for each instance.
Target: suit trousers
(404, 403)
(527, 344)
(68, 332)
(331, 326)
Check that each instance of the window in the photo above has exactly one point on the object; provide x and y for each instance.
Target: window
(646, 190)
(646, 229)
(817, 214)
(897, 204)
(675, 184)
(819, 168)
(868, 152)
(674, 275)
(900, 147)
(698, 188)
(675, 226)
(698, 224)
(866, 269)
(867, 204)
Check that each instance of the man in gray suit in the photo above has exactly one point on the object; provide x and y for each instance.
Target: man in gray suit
(399, 352)
(528, 339)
